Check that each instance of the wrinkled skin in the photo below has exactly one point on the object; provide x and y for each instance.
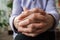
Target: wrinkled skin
(33, 22)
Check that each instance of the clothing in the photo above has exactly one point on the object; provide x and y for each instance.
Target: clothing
(18, 5)
(44, 36)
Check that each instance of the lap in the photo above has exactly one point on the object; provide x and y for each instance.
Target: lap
(43, 36)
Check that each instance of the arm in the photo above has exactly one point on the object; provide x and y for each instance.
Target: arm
(51, 9)
(15, 12)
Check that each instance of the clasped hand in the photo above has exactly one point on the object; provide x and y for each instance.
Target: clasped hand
(33, 22)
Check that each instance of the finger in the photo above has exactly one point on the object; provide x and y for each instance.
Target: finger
(37, 26)
(30, 34)
(42, 12)
(22, 29)
(25, 9)
(31, 27)
(24, 14)
(34, 17)
(38, 17)
(34, 10)
(41, 17)
(25, 22)
(29, 19)
(39, 31)
(37, 10)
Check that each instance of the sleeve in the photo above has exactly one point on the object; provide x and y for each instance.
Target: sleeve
(17, 9)
(51, 9)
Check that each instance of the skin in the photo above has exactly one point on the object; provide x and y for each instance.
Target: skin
(33, 22)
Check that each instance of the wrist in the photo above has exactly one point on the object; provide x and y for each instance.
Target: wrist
(52, 20)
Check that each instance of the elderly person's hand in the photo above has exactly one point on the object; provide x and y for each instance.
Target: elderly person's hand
(33, 22)
(40, 27)
(25, 18)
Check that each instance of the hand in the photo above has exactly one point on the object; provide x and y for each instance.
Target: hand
(40, 27)
(32, 15)
(29, 31)
(18, 21)
(20, 18)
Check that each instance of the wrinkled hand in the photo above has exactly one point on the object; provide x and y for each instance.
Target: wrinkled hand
(21, 18)
(26, 17)
(33, 22)
(41, 27)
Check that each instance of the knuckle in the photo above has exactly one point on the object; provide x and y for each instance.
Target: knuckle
(43, 24)
(33, 15)
(31, 27)
(35, 9)
(42, 18)
(33, 35)
(29, 21)
(30, 30)
(18, 30)
(27, 11)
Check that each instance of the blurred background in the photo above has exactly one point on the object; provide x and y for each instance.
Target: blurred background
(5, 11)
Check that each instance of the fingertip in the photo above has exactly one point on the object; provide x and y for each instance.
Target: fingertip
(25, 9)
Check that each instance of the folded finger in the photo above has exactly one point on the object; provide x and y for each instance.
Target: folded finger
(37, 26)
(37, 10)
(24, 22)
(40, 17)
(30, 34)
(22, 29)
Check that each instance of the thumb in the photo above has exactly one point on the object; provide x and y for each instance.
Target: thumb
(42, 12)
(25, 9)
